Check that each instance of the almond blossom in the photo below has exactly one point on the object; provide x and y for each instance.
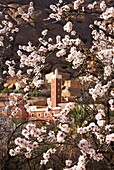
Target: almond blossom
(96, 137)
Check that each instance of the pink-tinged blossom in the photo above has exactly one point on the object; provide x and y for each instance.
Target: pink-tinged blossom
(82, 130)
(81, 163)
(50, 39)
(101, 123)
(23, 143)
(109, 12)
(47, 155)
(103, 6)
(100, 115)
(51, 136)
(52, 151)
(11, 102)
(77, 41)
(99, 90)
(110, 138)
(58, 39)
(44, 33)
(17, 150)
(64, 128)
(98, 157)
(112, 107)
(11, 71)
(86, 149)
(17, 86)
(91, 6)
(112, 93)
(35, 144)
(28, 154)
(25, 133)
(77, 3)
(43, 129)
(61, 53)
(111, 101)
(84, 145)
(109, 127)
(43, 162)
(100, 137)
(65, 8)
(93, 127)
(53, 8)
(68, 27)
(26, 89)
(36, 132)
(1, 44)
(73, 33)
(29, 147)
(107, 71)
(61, 137)
(12, 152)
(68, 163)
(26, 16)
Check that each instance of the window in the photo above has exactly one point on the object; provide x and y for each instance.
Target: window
(45, 114)
(3, 109)
(32, 115)
(38, 115)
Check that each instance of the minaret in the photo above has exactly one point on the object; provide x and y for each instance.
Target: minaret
(56, 82)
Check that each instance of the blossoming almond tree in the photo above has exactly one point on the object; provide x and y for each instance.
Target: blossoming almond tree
(95, 140)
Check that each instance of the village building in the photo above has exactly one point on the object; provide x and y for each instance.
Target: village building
(45, 113)
(52, 105)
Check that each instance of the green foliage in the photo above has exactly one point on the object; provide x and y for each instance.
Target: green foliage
(6, 90)
(36, 93)
(19, 91)
(79, 115)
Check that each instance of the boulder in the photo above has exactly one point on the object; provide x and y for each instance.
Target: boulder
(11, 86)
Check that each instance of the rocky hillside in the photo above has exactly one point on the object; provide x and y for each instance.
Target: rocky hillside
(31, 32)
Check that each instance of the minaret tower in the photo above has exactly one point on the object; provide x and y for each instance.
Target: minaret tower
(56, 82)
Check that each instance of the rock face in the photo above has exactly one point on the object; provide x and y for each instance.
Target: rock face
(31, 32)
(10, 83)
